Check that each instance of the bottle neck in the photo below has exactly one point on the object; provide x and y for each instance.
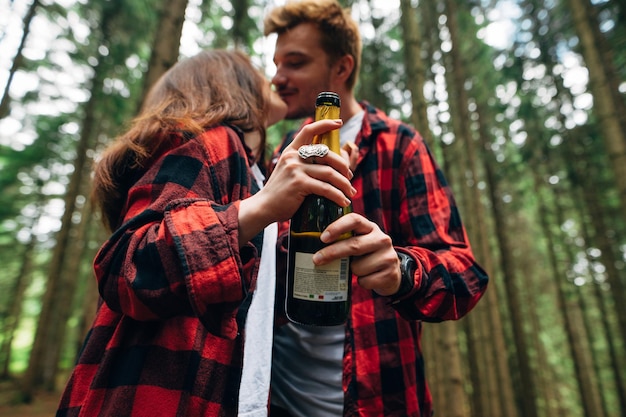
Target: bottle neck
(330, 139)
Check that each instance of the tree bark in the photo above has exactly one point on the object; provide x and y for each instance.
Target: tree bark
(18, 60)
(502, 391)
(595, 221)
(37, 375)
(604, 104)
(72, 275)
(454, 395)
(571, 311)
(432, 363)
(608, 61)
(415, 69)
(17, 296)
(166, 43)
(476, 226)
(240, 30)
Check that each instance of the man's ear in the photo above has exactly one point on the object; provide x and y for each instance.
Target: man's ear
(343, 68)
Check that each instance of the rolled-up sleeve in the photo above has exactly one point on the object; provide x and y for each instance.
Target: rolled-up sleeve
(177, 252)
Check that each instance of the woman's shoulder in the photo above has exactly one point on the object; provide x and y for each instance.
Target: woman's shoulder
(221, 142)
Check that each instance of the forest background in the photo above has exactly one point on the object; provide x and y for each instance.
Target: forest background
(521, 101)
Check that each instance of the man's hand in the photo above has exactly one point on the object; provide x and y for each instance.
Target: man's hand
(374, 259)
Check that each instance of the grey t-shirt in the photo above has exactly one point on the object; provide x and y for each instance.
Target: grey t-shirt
(307, 370)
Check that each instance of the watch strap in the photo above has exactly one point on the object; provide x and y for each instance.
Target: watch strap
(407, 269)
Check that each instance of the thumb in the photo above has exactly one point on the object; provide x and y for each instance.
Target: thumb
(351, 152)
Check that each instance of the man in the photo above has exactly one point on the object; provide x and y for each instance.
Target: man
(411, 260)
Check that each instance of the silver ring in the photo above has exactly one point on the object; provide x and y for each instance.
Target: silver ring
(317, 150)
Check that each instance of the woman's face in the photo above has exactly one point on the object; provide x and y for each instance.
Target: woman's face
(277, 107)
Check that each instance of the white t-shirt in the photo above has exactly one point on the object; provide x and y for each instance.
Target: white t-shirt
(257, 356)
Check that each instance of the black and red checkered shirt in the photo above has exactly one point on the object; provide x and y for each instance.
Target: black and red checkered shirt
(401, 188)
(166, 340)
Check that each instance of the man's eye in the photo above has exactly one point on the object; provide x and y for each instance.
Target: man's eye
(295, 64)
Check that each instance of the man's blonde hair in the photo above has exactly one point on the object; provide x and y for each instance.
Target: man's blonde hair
(339, 32)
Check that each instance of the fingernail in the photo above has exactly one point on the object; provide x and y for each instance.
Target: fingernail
(350, 174)
(317, 258)
(353, 190)
(323, 237)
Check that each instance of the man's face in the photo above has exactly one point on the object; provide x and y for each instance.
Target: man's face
(302, 69)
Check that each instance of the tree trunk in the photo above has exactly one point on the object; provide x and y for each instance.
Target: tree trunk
(18, 61)
(373, 68)
(454, 396)
(596, 215)
(502, 390)
(17, 296)
(37, 375)
(433, 360)
(166, 43)
(571, 314)
(477, 364)
(608, 62)
(604, 104)
(241, 34)
(72, 275)
(415, 70)
(591, 382)
(476, 226)
(544, 383)
(526, 394)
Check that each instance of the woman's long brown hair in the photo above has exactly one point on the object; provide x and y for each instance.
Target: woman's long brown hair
(210, 88)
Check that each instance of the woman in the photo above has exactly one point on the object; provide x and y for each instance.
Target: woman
(181, 192)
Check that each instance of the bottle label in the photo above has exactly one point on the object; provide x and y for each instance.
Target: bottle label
(323, 283)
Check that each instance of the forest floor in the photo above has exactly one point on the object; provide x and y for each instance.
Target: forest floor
(44, 403)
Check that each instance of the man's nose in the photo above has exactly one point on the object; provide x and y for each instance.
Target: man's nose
(279, 79)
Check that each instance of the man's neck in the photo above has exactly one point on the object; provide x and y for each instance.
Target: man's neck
(349, 106)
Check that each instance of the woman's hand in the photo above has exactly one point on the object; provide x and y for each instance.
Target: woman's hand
(293, 179)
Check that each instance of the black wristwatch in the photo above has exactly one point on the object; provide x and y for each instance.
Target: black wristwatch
(407, 268)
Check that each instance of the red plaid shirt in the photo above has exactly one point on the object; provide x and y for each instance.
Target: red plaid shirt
(401, 188)
(166, 340)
